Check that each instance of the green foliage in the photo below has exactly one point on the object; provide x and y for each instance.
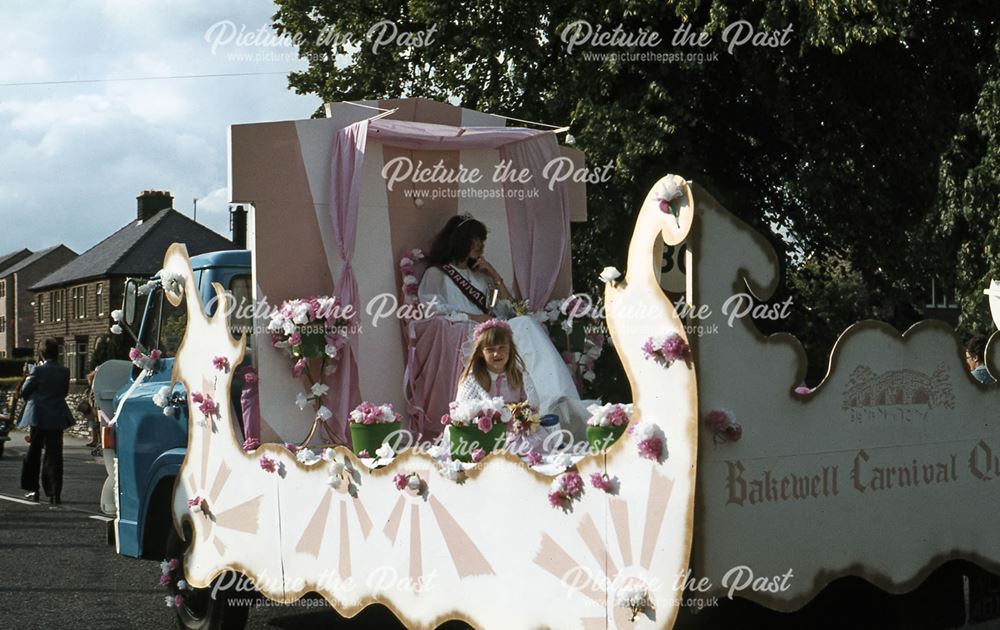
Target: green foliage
(836, 138)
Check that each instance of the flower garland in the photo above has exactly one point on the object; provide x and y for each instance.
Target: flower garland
(665, 350)
(311, 328)
(143, 361)
(410, 282)
(167, 569)
(724, 426)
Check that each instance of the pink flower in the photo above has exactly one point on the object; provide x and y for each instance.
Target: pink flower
(478, 455)
(291, 447)
(400, 481)
(295, 338)
(299, 367)
(155, 354)
(364, 454)
(173, 563)
(250, 377)
(197, 397)
(164, 580)
(651, 448)
(221, 364)
(571, 484)
(193, 502)
(601, 481)
(209, 407)
(406, 268)
(733, 432)
(178, 600)
(718, 420)
(446, 419)
(802, 390)
(485, 423)
(534, 458)
(674, 348)
(649, 349)
(557, 500)
(134, 354)
(268, 464)
(250, 444)
(617, 417)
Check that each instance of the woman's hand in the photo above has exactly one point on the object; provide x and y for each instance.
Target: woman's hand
(483, 266)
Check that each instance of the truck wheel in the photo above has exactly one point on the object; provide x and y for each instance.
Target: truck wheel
(228, 610)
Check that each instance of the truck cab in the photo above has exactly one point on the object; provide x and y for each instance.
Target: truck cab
(149, 445)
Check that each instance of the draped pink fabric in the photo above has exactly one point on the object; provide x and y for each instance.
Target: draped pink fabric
(538, 220)
(250, 406)
(434, 361)
(346, 167)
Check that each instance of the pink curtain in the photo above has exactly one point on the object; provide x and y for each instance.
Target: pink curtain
(346, 168)
(538, 220)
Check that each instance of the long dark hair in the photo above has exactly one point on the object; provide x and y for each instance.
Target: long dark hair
(452, 243)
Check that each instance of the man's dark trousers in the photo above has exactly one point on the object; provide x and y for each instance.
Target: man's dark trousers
(51, 464)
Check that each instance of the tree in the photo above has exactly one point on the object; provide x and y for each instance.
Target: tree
(836, 138)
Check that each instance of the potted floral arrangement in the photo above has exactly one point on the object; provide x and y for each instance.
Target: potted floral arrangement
(606, 424)
(371, 425)
(476, 424)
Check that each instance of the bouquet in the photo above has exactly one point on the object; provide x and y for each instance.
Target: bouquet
(367, 413)
(523, 418)
(483, 414)
(609, 415)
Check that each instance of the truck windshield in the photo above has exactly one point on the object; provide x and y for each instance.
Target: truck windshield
(164, 325)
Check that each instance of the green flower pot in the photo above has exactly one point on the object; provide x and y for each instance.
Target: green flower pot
(464, 440)
(369, 437)
(600, 438)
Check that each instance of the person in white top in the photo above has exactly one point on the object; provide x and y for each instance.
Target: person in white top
(462, 283)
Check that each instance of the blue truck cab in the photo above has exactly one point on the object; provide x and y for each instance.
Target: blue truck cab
(149, 445)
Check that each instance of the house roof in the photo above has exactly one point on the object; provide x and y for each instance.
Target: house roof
(11, 258)
(137, 249)
(30, 260)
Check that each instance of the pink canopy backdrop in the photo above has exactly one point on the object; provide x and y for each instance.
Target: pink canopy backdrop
(538, 221)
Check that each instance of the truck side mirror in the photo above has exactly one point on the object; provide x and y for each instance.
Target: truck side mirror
(128, 306)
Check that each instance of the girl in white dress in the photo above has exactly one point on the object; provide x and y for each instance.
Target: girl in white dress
(464, 286)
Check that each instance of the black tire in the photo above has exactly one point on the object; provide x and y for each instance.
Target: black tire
(201, 611)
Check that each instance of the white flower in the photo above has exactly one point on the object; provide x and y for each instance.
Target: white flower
(405, 260)
(164, 567)
(337, 469)
(589, 376)
(413, 483)
(645, 431)
(334, 481)
(410, 280)
(385, 451)
(169, 601)
(632, 598)
(329, 454)
(330, 369)
(330, 350)
(669, 189)
(182, 585)
(319, 389)
(436, 451)
(148, 287)
(162, 396)
(196, 508)
(168, 410)
(555, 486)
(300, 313)
(116, 329)
(287, 327)
(417, 253)
(610, 274)
(307, 456)
(567, 325)
(323, 413)
(117, 315)
(563, 460)
(301, 400)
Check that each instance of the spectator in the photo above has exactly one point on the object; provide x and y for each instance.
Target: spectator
(47, 415)
(974, 358)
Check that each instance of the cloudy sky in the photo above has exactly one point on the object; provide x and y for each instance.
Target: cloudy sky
(75, 155)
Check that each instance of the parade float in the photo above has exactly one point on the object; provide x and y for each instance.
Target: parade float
(729, 480)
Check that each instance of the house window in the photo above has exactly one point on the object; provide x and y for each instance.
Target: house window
(3, 324)
(80, 302)
(3, 288)
(57, 305)
(99, 292)
(41, 307)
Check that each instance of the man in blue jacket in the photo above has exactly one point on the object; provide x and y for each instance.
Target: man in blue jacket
(48, 415)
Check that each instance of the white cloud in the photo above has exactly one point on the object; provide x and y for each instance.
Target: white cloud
(76, 155)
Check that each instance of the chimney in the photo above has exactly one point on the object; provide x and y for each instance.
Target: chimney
(238, 226)
(153, 201)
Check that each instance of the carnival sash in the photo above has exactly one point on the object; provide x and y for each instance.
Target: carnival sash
(476, 296)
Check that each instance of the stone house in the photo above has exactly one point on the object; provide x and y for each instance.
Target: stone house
(17, 311)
